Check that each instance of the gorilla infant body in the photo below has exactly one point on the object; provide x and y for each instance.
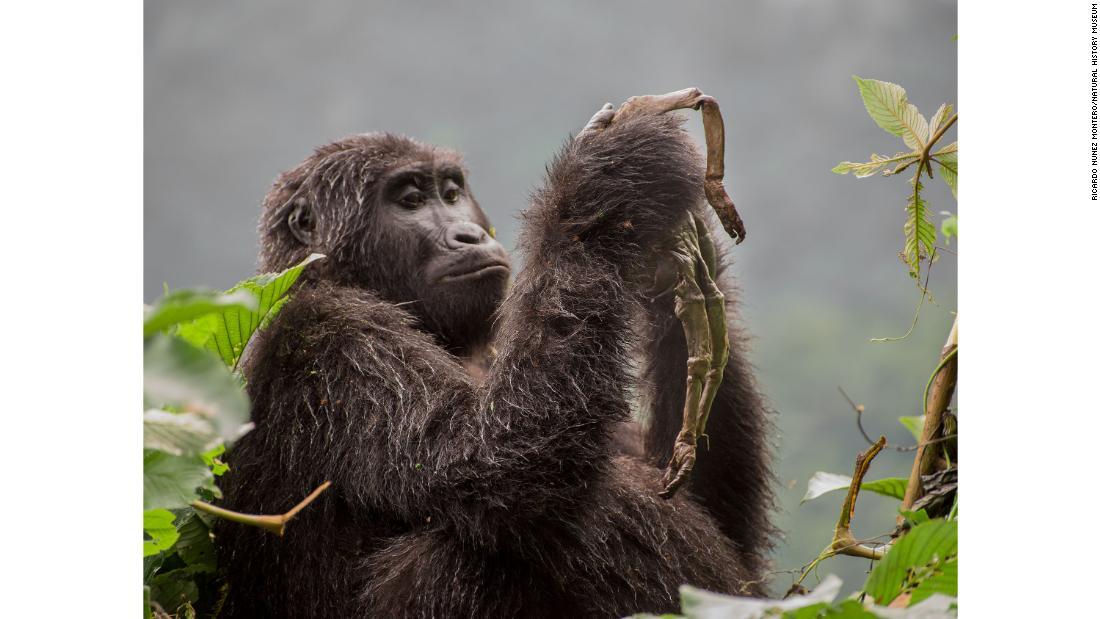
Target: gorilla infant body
(479, 438)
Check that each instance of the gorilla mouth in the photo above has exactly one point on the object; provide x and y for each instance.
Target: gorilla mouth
(473, 271)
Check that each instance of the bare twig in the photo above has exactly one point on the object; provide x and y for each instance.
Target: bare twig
(843, 542)
(274, 524)
(860, 409)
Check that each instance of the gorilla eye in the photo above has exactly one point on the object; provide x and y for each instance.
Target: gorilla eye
(412, 198)
(451, 195)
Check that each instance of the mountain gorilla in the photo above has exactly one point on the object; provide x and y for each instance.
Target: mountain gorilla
(480, 440)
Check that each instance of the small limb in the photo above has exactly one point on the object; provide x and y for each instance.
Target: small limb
(274, 524)
(690, 308)
(715, 303)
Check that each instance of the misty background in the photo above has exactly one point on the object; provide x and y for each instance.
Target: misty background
(237, 91)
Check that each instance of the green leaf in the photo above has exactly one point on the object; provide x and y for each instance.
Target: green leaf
(948, 161)
(822, 483)
(945, 580)
(210, 458)
(890, 109)
(846, 609)
(181, 376)
(914, 424)
(195, 546)
(950, 226)
(180, 434)
(171, 481)
(890, 486)
(157, 524)
(939, 118)
(228, 332)
(919, 555)
(185, 305)
(920, 232)
(877, 162)
(915, 517)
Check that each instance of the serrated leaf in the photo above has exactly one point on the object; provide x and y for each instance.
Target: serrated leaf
(227, 333)
(186, 305)
(822, 483)
(889, 107)
(920, 232)
(940, 117)
(949, 169)
(157, 524)
(914, 424)
(918, 555)
(171, 481)
(863, 170)
(181, 376)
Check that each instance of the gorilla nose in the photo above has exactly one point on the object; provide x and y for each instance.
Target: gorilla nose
(465, 233)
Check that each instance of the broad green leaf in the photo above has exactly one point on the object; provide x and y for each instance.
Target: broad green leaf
(157, 524)
(917, 556)
(945, 580)
(822, 483)
(185, 305)
(914, 424)
(228, 332)
(920, 232)
(180, 434)
(171, 481)
(940, 117)
(890, 109)
(950, 226)
(877, 162)
(181, 376)
(949, 169)
(195, 546)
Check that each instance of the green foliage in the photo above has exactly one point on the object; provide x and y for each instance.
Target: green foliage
(921, 555)
(914, 424)
(157, 524)
(184, 305)
(823, 483)
(195, 405)
(888, 105)
(228, 331)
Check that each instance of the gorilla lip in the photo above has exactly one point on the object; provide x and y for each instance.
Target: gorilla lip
(477, 270)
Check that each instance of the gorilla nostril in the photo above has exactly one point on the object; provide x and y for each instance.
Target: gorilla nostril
(465, 234)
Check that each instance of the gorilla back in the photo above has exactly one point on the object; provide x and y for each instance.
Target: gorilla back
(522, 488)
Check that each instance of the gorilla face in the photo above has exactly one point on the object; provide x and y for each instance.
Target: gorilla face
(461, 272)
(396, 217)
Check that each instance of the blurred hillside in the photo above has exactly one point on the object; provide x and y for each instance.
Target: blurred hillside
(237, 91)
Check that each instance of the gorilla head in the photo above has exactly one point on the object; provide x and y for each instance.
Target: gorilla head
(396, 217)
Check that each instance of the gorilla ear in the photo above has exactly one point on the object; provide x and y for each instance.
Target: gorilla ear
(300, 221)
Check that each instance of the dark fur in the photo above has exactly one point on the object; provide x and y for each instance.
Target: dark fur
(517, 496)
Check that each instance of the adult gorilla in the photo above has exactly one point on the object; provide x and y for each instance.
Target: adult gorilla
(483, 471)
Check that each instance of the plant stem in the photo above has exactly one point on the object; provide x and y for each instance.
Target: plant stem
(938, 393)
(274, 524)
